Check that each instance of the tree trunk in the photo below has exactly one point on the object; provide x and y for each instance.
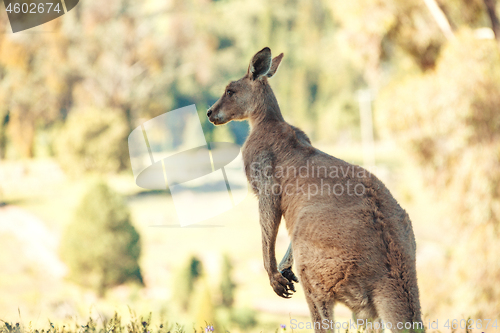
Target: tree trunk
(495, 25)
(21, 130)
(4, 120)
(440, 18)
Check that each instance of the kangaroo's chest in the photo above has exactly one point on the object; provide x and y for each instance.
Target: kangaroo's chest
(259, 168)
(266, 151)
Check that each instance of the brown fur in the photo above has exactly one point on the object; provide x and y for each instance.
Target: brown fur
(358, 249)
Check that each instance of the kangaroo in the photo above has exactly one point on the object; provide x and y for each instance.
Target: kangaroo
(350, 239)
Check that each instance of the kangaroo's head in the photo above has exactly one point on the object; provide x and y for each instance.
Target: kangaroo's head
(242, 97)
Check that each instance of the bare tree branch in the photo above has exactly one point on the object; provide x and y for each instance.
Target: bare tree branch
(495, 24)
(440, 18)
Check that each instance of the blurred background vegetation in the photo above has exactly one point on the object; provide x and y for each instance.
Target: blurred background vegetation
(73, 89)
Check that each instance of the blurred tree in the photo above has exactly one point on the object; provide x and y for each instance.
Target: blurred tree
(450, 119)
(123, 67)
(33, 84)
(186, 280)
(227, 286)
(94, 140)
(144, 62)
(100, 246)
(315, 72)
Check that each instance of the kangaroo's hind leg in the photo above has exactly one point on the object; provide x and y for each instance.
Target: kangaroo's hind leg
(321, 313)
(365, 314)
(320, 302)
(399, 308)
(370, 324)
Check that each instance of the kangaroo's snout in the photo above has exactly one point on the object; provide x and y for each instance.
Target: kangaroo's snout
(214, 116)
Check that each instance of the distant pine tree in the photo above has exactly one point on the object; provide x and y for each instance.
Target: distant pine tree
(100, 246)
(185, 281)
(227, 286)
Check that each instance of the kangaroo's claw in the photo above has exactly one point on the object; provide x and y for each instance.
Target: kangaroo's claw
(282, 286)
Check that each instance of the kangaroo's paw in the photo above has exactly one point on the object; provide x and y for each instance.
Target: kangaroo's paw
(282, 286)
(290, 276)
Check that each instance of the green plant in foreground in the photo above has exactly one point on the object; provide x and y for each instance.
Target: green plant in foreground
(113, 325)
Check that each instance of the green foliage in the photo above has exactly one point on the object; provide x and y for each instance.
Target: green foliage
(315, 72)
(93, 140)
(100, 246)
(332, 49)
(125, 64)
(227, 286)
(186, 280)
(33, 87)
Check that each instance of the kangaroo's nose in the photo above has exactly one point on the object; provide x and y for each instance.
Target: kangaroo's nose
(209, 113)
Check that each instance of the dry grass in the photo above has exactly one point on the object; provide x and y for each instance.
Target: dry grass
(112, 325)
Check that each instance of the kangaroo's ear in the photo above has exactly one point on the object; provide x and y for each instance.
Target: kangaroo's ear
(274, 65)
(260, 63)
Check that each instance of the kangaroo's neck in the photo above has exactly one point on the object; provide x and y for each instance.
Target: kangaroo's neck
(267, 109)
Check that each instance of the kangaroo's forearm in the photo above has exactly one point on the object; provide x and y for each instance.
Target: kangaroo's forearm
(270, 219)
(268, 249)
(287, 260)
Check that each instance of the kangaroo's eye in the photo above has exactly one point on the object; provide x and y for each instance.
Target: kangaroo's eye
(229, 93)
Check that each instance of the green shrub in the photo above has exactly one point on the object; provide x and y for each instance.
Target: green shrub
(100, 246)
